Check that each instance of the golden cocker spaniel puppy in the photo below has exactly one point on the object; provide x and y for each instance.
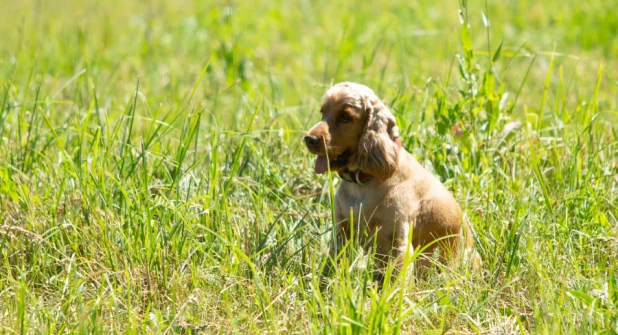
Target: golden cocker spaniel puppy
(391, 196)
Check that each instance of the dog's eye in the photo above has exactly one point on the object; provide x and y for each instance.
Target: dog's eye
(345, 118)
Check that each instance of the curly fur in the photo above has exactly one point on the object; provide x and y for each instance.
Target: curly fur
(377, 151)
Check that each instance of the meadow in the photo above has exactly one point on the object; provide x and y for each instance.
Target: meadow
(153, 177)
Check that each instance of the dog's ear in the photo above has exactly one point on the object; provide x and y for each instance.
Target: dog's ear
(377, 150)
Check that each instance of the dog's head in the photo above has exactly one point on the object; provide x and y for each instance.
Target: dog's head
(356, 131)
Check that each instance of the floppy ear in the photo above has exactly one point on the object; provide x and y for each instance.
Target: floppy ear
(377, 150)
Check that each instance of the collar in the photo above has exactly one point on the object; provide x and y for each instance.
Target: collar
(358, 176)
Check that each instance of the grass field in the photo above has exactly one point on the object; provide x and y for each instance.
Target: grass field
(153, 177)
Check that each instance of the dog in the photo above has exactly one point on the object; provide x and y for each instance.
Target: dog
(397, 206)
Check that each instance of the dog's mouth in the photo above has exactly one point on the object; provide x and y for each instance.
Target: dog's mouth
(322, 163)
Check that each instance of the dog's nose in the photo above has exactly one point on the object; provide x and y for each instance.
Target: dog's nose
(312, 140)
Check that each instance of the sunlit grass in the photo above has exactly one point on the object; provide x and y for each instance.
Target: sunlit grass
(153, 178)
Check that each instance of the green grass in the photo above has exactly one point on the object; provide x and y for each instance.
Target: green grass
(153, 177)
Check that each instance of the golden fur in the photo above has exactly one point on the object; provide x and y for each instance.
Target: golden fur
(358, 132)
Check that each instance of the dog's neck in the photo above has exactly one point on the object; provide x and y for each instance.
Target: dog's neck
(357, 176)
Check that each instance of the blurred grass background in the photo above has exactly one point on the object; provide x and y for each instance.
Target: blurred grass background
(296, 44)
(153, 179)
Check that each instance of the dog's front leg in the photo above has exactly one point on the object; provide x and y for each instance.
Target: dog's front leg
(340, 238)
(391, 247)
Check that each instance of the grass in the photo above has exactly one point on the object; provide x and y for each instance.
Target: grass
(153, 178)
